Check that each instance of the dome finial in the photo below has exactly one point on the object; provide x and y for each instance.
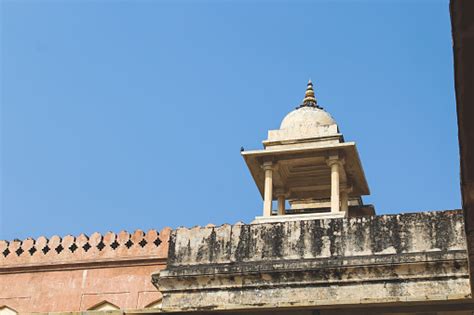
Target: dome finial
(309, 98)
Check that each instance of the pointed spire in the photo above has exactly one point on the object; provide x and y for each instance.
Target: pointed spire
(309, 99)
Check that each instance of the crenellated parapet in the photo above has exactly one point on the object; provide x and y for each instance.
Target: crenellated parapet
(84, 249)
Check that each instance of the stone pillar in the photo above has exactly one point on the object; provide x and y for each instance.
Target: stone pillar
(344, 201)
(268, 194)
(335, 164)
(281, 203)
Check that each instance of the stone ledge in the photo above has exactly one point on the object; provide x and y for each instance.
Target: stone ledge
(316, 263)
(323, 276)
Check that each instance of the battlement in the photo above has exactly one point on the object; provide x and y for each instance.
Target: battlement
(84, 249)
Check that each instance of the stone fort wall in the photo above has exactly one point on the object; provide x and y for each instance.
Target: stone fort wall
(352, 262)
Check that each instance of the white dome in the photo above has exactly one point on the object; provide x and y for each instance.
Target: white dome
(307, 116)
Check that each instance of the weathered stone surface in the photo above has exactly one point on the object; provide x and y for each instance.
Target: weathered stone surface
(408, 257)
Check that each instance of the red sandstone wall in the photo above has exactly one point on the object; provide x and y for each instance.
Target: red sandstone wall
(77, 273)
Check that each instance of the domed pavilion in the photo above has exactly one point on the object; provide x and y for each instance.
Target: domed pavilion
(307, 163)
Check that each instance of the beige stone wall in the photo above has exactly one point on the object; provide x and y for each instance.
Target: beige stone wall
(79, 273)
(389, 259)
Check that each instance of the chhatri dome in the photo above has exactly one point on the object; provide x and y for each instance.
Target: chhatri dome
(308, 113)
(307, 164)
(308, 120)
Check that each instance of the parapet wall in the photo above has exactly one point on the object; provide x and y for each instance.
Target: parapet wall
(82, 273)
(84, 249)
(425, 232)
(379, 259)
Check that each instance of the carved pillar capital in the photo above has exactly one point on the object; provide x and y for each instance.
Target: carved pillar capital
(268, 165)
(333, 160)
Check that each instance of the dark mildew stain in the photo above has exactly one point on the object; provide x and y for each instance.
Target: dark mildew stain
(172, 248)
(277, 242)
(443, 231)
(187, 251)
(272, 236)
(394, 231)
(317, 233)
(379, 237)
(335, 229)
(406, 233)
(202, 250)
(300, 246)
(360, 235)
(213, 246)
(243, 250)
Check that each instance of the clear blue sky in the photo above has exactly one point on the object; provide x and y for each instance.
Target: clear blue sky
(131, 115)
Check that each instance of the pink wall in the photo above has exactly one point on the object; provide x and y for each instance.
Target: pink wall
(75, 279)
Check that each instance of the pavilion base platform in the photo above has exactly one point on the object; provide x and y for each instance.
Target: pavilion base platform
(299, 217)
